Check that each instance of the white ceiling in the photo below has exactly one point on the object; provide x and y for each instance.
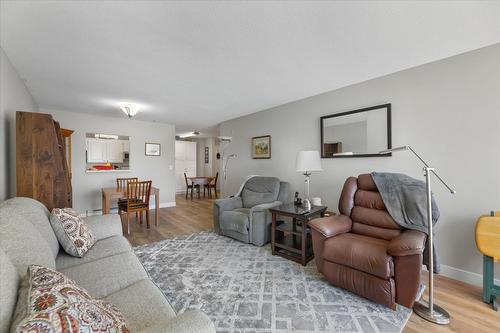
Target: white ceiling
(196, 64)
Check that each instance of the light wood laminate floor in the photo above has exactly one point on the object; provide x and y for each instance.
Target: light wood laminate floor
(461, 300)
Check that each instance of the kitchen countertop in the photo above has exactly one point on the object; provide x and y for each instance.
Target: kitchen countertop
(106, 171)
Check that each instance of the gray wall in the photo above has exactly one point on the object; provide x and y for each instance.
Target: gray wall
(448, 111)
(212, 167)
(14, 96)
(87, 186)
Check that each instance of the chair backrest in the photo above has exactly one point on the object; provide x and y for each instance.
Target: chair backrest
(361, 201)
(140, 192)
(186, 179)
(259, 190)
(121, 183)
(215, 180)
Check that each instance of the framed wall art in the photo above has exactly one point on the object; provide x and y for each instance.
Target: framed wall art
(261, 147)
(152, 149)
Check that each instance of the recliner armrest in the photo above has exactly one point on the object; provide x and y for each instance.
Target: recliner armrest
(331, 225)
(409, 242)
(227, 204)
(265, 206)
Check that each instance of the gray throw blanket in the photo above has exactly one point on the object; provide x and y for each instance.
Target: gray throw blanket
(406, 201)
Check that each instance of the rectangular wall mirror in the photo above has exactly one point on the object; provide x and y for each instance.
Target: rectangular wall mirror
(357, 133)
(107, 152)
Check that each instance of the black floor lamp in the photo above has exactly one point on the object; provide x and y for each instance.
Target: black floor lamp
(428, 310)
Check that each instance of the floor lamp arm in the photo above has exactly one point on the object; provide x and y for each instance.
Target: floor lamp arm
(452, 191)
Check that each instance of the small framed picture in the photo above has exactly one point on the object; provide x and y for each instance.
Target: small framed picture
(206, 155)
(261, 146)
(152, 149)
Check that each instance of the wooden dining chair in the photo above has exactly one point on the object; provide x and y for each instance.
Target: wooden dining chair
(138, 193)
(121, 185)
(190, 187)
(212, 185)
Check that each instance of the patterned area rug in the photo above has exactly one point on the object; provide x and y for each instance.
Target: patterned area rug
(244, 288)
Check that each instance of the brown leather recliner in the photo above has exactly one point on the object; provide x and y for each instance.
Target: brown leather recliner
(363, 250)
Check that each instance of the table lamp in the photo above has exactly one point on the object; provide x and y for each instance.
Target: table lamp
(428, 310)
(307, 162)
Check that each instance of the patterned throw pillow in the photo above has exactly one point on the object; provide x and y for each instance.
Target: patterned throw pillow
(71, 231)
(57, 304)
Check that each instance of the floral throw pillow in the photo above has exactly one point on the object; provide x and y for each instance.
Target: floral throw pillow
(71, 231)
(57, 304)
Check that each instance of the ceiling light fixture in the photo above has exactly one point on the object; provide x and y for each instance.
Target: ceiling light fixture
(129, 109)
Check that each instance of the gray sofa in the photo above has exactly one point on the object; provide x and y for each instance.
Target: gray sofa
(109, 271)
(246, 216)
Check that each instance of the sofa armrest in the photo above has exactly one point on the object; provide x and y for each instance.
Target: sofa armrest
(105, 226)
(331, 225)
(187, 322)
(409, 242)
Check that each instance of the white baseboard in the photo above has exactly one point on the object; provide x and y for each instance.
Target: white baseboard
(463, 275)
(168, 204)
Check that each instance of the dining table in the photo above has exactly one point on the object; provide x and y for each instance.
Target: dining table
(201, 181)
(109, 193)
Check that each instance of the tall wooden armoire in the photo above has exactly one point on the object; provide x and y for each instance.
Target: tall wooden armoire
(42, 171)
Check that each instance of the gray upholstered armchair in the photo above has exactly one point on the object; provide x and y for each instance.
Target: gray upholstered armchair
(246, 217)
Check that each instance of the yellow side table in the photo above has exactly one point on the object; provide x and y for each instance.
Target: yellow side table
(488, 243)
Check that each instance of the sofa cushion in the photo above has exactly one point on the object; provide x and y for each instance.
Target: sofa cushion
(72, 232)
(103, 248)
(259, 190)
(35, 213)
(142, 312)
(51, 302)
(108, 275)
(360, 252)
(9, 283)
(236, 220)
(104, 226)
(23, 243)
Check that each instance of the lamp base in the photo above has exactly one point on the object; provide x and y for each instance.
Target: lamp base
(307, 204)
(439, 315)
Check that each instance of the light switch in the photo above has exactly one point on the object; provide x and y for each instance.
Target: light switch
(170, 167)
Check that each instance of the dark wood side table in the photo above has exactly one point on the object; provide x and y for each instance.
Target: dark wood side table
(292, 240)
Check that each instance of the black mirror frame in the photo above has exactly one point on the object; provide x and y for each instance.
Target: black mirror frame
(371, 108)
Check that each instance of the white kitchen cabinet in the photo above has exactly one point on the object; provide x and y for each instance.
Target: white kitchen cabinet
(103, 151)
(126, 145)
(115, 151)
(96, 151)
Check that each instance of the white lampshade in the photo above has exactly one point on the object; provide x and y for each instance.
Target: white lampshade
(308, 160)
